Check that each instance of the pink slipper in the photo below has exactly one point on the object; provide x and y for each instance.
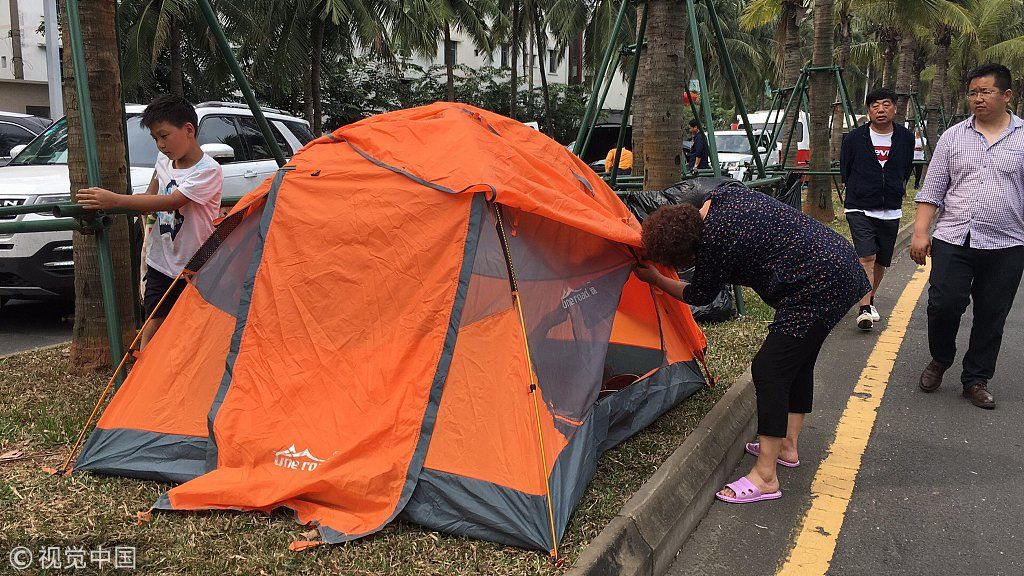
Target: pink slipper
(754, 448)
(746, 493)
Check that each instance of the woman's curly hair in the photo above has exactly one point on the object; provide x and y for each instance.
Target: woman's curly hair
(671, 235)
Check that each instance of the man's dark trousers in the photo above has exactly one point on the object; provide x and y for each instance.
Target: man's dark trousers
(960, 274)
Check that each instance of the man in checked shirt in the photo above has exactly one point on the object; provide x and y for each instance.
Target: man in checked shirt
(976, 182)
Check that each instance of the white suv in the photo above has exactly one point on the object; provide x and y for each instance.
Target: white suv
(40, 265)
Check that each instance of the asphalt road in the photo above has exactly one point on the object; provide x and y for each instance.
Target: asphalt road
(937, 491)
(25, 325)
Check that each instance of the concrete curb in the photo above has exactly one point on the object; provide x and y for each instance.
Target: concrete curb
(645, 536)
(37, 349)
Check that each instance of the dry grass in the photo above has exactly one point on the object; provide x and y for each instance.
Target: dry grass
(44, 407)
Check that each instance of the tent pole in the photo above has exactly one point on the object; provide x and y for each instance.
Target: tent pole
(514, 286)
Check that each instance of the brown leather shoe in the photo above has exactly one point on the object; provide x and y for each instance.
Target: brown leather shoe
(980, 396)
(931, 377)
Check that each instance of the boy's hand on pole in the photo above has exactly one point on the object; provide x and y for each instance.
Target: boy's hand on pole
(97, 198)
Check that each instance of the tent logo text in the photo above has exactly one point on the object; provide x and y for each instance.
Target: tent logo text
(574, 297)
(292, 459)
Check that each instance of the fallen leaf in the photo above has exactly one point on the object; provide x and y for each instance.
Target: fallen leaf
(12, 455)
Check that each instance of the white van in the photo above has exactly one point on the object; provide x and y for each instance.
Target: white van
(765, 119)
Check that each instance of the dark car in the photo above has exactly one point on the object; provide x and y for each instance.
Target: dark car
(16, 130)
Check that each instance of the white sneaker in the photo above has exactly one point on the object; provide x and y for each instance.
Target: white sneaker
(865, 321)
(875, 316)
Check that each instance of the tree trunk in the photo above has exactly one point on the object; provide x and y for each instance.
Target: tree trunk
(17, 62)
(663, 68)
(819, 193)
(176, 83)
(905, 77)
(845, 48)
(792, 63)
(890, 47)
(90, 348)
(449, 64)
(541, 52)
(936, 96)
(514, 52)
(315, 76)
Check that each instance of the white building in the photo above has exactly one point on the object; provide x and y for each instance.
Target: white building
(560, 67)
(23, 88)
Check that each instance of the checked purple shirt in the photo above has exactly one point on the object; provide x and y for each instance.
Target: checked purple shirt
(979, 188)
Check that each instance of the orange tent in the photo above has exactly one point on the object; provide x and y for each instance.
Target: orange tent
(415, 316)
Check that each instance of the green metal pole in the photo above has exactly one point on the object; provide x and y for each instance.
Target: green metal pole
(730, 71)
(795, 98)
(629, 94)
(243, 84)
(844, 96)
(600, 105)
(92, 163)
(702, 79)
(64, 224)
(592, 103)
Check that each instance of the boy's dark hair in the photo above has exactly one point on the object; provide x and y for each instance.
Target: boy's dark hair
(879, 94)
(694, 123)
(1001, 74)
(671, 234)
(171, 109)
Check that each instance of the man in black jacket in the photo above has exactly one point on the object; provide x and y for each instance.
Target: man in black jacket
(875, 162)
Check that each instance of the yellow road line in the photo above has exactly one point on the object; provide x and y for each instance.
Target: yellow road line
(833, 484)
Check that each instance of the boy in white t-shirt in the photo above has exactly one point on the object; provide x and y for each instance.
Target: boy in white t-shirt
(185, 194)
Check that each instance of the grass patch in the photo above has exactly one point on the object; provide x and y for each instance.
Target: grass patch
(44, 407)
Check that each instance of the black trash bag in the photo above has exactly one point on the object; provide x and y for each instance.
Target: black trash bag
(695, 192)
(721, 308)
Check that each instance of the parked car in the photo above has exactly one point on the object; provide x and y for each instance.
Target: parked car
(735, 155)
(604, 138)
(763, 120)
(17, 130)
(40, 264)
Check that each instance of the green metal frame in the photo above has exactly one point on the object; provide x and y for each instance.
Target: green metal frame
(75, 217)
(606, 70)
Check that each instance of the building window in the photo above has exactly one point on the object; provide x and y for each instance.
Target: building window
(504, 56)
(552, 61)
(3, 61)
(453, 51)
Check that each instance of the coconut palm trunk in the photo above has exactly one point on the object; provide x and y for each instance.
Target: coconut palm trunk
(538, 33)
(514, 50)
(90, 348)
(792, 61)
(905, 76)
(845, 48)
(449, 63)
(176, 82)
(663, 131)
(315, 104)
(822, 90)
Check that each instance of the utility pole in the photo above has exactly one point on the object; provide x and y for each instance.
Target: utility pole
(53, 75)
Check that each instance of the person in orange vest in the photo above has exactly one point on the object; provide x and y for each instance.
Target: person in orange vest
(625, 161)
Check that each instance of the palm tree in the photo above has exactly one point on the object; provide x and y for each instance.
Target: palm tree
(787, 16)
(822, 90)
(418, 25)
(664, 109)
(90, 348)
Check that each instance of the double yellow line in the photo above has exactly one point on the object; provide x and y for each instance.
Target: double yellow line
(833, 484)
